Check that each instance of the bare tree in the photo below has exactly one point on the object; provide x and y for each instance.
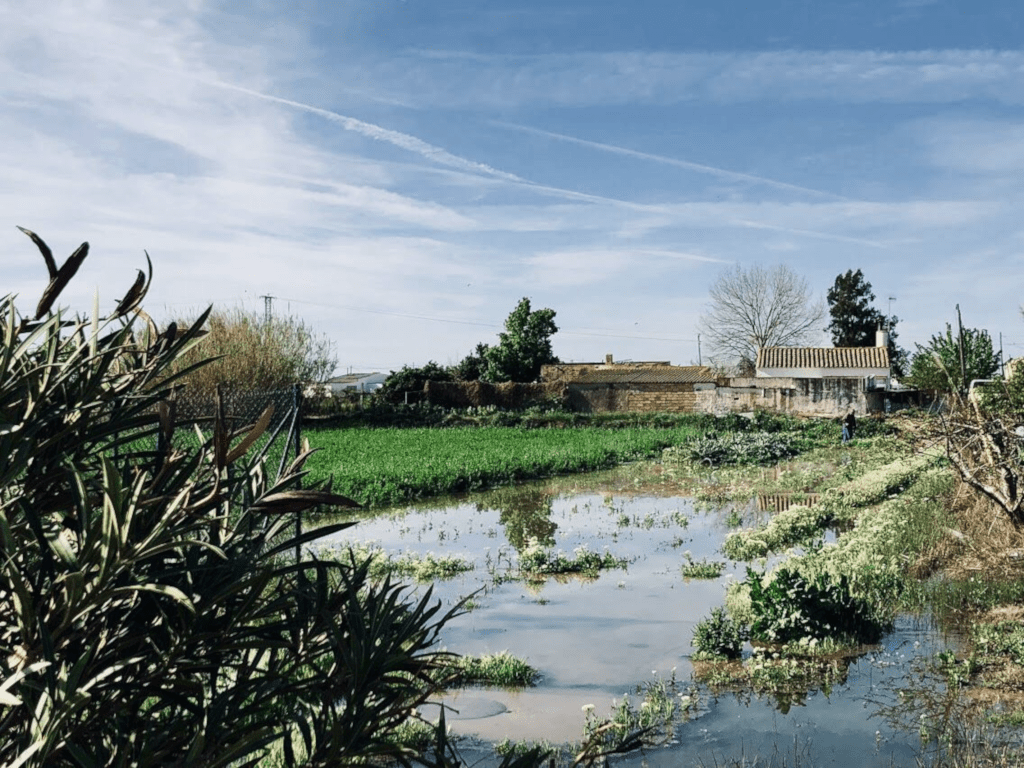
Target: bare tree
(759, 307)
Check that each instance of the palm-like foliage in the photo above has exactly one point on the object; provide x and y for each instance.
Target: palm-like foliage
(144, 619)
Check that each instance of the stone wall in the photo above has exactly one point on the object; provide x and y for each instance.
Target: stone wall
(648, 397)
(812, 397)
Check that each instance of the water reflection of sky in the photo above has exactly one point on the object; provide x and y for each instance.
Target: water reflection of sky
(595, 640)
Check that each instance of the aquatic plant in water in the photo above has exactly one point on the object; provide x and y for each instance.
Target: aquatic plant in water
(718, 637)
(537, 561)
(704, 569)
(500, 669)
(789, 606)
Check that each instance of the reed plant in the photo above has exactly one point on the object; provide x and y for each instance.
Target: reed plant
(244, 351)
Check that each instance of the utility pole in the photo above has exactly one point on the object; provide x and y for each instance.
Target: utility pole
(268, 308)
(698, 351)
(960, 341)
(888, 318)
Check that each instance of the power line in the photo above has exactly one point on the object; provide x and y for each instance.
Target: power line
(470, 322)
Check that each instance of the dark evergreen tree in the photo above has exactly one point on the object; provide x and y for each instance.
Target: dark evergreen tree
(855, 321)
(411, 379)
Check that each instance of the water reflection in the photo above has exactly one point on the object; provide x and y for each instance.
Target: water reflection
(780, 502)
(524, 513)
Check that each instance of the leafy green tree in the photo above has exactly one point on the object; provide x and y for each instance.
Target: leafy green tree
(855, 321)
(411, 379)
(937, 365)
(524, 346)
(473, 366)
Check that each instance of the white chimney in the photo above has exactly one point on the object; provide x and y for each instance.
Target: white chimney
(881, 338)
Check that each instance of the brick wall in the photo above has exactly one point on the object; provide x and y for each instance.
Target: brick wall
(460, 394)
(647, 397)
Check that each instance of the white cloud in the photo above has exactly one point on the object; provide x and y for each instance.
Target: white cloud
(628, 77)
(993, 146)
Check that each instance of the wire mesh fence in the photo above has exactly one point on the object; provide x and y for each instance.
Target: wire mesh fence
(196, 416)
(240, 410)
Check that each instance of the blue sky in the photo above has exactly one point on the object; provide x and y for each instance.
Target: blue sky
(399, 173)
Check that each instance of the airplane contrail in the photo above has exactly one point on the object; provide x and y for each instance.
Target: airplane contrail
(378, 133)
(698, 167)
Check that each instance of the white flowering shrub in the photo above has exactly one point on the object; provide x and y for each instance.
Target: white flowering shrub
(798, 524)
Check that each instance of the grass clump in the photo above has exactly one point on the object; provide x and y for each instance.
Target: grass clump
(649, 722)
(538, 562)
(529, 752)
(704, 569)
(789, 679)
(422, 568)
(499, 669)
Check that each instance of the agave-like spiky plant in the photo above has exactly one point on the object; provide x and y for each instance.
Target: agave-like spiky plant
(140, 622)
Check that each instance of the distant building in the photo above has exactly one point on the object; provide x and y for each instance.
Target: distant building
(358, 382)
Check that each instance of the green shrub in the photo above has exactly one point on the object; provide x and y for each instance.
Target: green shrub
(152, 611)
(738, 448)
(717, 637)
(792, 606)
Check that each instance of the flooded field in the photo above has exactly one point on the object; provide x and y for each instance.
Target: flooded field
(598, 640)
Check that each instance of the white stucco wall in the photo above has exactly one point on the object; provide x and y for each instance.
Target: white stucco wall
(821, 373)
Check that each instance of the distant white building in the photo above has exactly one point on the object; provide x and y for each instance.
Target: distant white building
(359, 382)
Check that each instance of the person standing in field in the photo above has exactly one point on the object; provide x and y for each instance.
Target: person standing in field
(849, 426)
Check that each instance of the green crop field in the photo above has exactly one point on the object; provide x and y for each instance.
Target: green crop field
(388, 466)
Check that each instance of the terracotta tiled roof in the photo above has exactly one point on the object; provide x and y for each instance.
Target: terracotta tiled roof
(692, 374)
(823, 357)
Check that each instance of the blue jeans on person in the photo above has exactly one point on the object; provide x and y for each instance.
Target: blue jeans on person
(846, 434)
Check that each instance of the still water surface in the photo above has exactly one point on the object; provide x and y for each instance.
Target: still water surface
(596, 640)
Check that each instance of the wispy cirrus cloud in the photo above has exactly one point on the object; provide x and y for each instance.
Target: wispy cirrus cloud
(671, 161)
(456, 79)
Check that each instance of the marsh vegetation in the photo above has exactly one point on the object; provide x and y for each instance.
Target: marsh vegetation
(810, 602)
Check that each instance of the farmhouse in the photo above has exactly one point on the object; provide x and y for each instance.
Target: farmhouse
(822, 381)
